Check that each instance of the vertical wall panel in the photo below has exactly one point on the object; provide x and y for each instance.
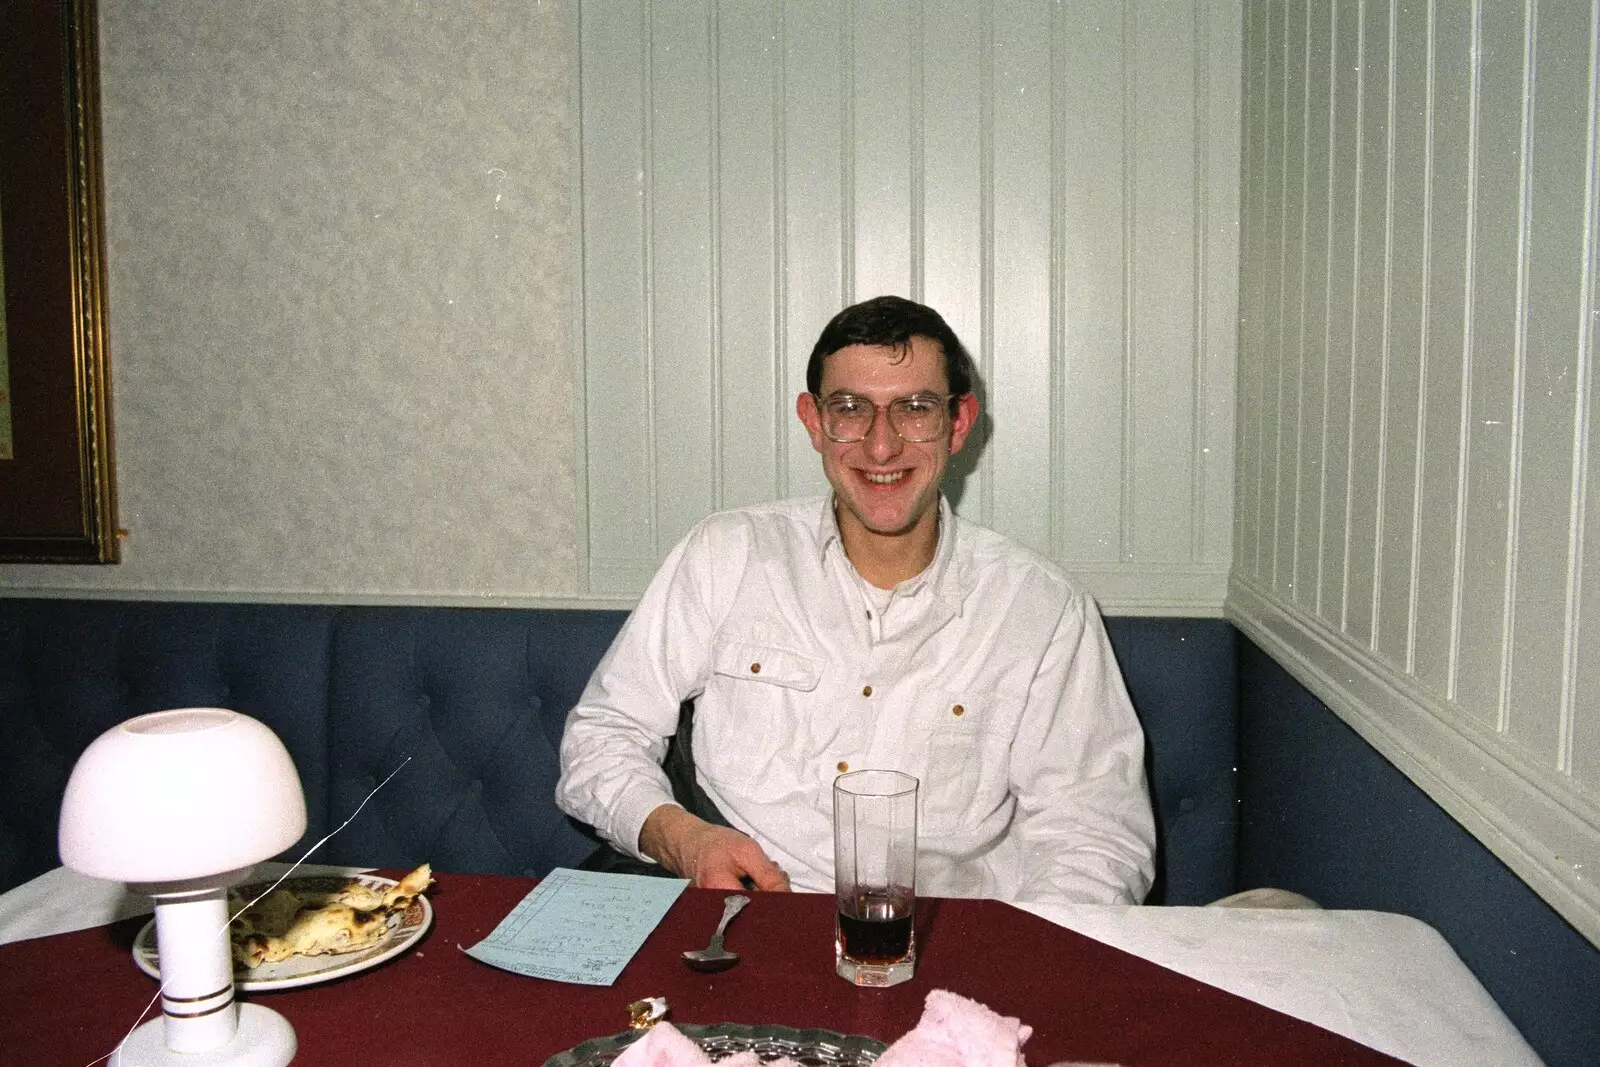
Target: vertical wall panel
(1405, 302)
(1061, 180)
(955, 245)
(1218, 144)
(883, 158)
(683, 220)
(814, 220)
(1291, 287)
(1162, 381)
(1450, 627)
(1252, 272)
(1344, 135)
(755, 400)
(1369, 311)
(1269, 430)
(1494, 345)
(616, 316)
(1091, 284)
(1019, 454)
(1449, 188)
(1313, 406)
(1557, 170)
(1584, 761)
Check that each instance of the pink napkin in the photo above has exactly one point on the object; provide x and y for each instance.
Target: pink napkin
(957, 1032)
(953, 1032)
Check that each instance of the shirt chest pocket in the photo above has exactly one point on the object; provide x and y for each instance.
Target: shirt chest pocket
(969, 741)
(748, 723)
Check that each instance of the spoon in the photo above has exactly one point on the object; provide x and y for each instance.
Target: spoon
(714, 957)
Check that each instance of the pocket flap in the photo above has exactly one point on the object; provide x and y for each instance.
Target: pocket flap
(767, 663)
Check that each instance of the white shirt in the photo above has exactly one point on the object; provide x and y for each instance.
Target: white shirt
(989, 677)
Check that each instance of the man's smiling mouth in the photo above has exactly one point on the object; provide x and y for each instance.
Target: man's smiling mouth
(883, 479)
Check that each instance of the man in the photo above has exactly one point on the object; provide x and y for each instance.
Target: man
(872, 628)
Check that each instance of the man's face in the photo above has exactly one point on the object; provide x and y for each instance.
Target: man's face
(887, 486)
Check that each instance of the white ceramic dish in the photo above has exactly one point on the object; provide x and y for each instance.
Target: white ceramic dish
(404, 931)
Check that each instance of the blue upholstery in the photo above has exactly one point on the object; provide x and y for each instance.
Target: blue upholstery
(1181, 675)
(1326, 815)
(70, 670)
(476, 698)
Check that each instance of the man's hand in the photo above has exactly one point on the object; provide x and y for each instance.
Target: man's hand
(714, 857)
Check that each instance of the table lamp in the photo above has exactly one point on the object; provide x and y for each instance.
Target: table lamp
(181, 805)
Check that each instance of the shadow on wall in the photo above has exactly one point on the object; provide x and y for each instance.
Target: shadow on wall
(965, 462)
(1323, 813)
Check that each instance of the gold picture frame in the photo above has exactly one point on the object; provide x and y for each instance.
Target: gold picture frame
(57, 481)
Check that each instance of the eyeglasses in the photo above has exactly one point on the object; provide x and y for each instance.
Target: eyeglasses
(847, 418)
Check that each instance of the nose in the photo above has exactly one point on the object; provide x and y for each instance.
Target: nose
(882, 443)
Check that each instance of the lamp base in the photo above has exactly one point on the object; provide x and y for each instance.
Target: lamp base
(264, 1039)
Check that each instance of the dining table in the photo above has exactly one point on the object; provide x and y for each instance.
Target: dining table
(1096, 985)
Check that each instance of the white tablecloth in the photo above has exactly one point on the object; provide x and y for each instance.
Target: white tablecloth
(60, 901)
(1387, 981)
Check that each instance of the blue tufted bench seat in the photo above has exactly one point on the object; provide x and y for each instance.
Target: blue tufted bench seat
(470, 704)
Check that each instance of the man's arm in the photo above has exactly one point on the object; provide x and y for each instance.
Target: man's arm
(1083, 807)
(714, 857)
(616, 737)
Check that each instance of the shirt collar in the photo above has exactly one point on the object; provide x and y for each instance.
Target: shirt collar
(943, 574)
(828, 530)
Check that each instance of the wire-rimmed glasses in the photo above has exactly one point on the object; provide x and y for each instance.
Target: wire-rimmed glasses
(848, 418)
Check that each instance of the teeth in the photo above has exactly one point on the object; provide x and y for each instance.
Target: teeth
(883, 479)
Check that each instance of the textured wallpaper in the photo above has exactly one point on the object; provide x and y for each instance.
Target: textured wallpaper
(343, 275)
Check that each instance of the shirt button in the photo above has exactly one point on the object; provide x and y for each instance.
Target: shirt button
(958, 710)
(866, 690)
(843, 766)
(755, 668)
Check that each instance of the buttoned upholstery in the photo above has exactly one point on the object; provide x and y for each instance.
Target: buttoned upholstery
(469, 705)
(70, 670)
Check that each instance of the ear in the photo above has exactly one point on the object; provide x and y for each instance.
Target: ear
(963, 422)
(805, 406)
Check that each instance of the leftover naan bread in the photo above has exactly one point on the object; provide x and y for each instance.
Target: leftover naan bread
(309, 922)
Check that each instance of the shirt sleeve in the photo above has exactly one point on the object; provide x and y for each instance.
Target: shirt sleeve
(616, 736)
(1083, 820)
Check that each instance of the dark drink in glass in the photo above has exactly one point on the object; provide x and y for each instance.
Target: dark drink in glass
(875, 928)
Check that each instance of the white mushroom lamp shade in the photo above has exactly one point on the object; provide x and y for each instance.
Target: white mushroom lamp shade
(180, 804)
(182, 794)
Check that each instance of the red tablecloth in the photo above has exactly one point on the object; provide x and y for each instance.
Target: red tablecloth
(69, 999)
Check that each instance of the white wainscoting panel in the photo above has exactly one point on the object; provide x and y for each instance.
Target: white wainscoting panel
(1418, 309)
(1060, 180)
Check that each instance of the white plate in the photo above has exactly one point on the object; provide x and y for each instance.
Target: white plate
(404, 931)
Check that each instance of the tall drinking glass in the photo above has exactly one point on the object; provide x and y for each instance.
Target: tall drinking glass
(875, 876)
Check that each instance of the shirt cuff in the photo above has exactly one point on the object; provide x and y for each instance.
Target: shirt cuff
(631, 812)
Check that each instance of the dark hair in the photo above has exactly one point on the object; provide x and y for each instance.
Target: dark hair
(891, 322)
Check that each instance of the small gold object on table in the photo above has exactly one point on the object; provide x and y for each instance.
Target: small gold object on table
(643, 1014)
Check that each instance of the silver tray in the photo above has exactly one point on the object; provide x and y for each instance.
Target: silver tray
(810, 1048)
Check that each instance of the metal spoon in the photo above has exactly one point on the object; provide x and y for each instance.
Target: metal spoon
(714, 957)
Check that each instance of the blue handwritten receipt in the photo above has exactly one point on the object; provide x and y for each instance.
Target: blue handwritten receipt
(579, 926)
